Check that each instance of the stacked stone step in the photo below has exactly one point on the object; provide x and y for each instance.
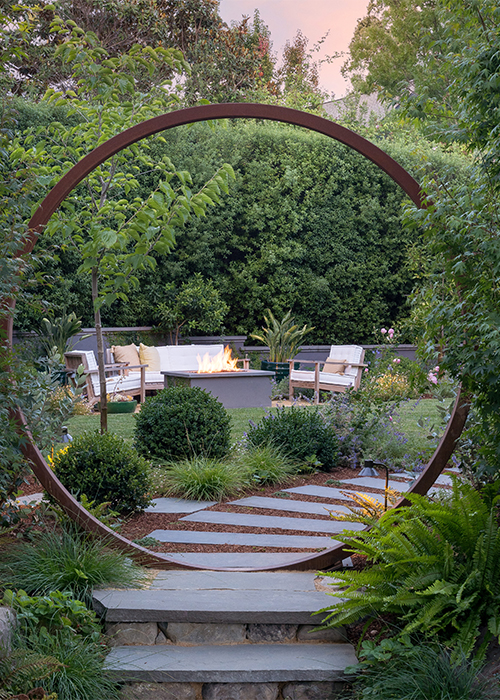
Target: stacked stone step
(207, 635)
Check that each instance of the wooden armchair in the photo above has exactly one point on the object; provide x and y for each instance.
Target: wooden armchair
(341, 371)
(121, 380)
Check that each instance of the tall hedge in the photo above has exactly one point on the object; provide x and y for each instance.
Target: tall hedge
(309, 225)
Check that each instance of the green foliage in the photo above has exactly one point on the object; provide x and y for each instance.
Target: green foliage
(21, 669)
(195, 307)
(106, 469)
(283, 338)
(55, 612)
(57, 332)
(434, 565)
(309, 224)
(82, 675)
(182, 422)
(203, 479)
(301, 433)
(69, 561)
(400, 670)
(267, 465)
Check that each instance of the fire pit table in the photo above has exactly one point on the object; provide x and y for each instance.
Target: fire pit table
(242, 388)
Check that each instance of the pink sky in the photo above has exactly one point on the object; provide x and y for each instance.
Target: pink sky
(314, 18)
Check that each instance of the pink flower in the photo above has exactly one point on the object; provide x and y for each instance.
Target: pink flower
(366, 369)
(432, 378)
(391, 332)
(383, 331)
(436, 368)
(390, 418)
(397, 360)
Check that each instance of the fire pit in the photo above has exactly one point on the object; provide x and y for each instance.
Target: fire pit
(232, 386)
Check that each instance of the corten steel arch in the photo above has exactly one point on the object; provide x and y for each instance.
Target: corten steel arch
(56, 196)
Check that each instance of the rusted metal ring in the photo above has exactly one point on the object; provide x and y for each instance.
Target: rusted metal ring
(68, 182)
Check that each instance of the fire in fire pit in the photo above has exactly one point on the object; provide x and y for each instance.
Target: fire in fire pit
(222, 362)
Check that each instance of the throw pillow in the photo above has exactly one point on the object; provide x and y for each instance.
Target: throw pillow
(126, 353)
(335, 366)
(149, 356)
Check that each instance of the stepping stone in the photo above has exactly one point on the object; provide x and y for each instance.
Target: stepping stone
(443, 480)
(241, 663)
(326, 492)
(177, 505)
(271, 521)
(239, 560)
(374, 483)
(291, 506)
(243, 539)
(228, 606)
(244, 581)
(32, 500)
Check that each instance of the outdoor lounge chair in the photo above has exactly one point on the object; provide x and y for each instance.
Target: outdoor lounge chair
(121, 381)
(342, 370)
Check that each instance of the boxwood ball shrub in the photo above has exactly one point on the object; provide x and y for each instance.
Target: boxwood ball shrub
(182, 422)
(301, 433)
(106, 469)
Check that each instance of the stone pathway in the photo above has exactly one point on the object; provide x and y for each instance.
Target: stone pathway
(315, 534)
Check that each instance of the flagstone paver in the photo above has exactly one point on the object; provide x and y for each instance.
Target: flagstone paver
(291, 506)
(271, 521)
(242, 539)
(327, 492)
(177, 505)
(374, 483)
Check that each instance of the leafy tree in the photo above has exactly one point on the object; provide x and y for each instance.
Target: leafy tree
(391, 45)
(115, 233)
(458, 304)
(194, 307)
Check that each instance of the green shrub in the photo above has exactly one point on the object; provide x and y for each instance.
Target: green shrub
(106, 469)
(266, 465)
(66, 561)
(301, 433)
(435, 565)
(203, 479)
(182, 422)
(403, 671)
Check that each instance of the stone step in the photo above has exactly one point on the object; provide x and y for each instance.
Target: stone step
(290, 506)
(272, 521)
(226, 606)
(327, 492)
(241, 539)
(239, 560)
(360, 482)
(259, 663)
(177, 505)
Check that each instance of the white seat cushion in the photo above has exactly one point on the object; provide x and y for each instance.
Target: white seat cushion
(324, 378)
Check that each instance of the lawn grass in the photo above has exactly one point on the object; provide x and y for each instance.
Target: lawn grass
(406, 417)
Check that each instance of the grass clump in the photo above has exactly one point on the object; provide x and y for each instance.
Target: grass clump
(403, 671)
(266, 465)
(203, 479)
(182, 423)
(68, 560)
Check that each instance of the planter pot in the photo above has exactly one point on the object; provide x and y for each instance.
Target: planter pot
(120, 406)
(281, 369)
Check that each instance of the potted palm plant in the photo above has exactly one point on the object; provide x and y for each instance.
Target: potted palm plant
(283, 339)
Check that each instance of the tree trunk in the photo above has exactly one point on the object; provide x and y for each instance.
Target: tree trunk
(100, 354)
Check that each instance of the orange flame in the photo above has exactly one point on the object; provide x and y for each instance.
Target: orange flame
(222, 362)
